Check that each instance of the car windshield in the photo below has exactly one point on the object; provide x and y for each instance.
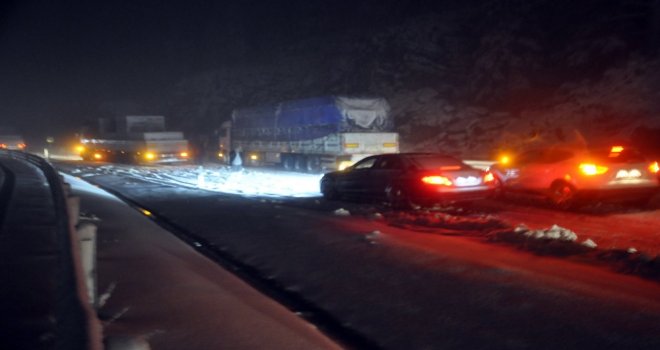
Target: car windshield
(431, 162)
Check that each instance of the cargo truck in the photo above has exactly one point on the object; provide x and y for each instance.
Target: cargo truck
(135, 139)
(313, 135)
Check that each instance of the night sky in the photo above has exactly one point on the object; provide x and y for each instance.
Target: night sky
(66, 61)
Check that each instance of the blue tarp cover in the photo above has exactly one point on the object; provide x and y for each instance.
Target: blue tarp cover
(312, 118)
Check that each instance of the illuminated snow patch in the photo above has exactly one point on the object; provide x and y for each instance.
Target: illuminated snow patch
(269, 183)
(219, 178)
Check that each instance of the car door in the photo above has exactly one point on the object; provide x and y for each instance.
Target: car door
(543, 168)
(524, 172)
(386, 171)
(355, 180)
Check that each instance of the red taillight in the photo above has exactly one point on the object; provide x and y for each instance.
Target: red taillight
(2, 145)
(489, 177)
(592, 169)
(654, 167)
(437, 180)
(21, 145)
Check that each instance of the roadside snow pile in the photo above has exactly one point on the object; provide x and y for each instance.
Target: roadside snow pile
(554, 232)
(464, 223)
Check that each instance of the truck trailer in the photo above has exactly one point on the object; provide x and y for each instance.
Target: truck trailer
(135, 139)
(315, 134)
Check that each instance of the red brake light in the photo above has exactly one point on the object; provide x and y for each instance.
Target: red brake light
(21, 145)
(437, 180)
(654, 167)
(590, 169)
(489, 177)
(2, 145)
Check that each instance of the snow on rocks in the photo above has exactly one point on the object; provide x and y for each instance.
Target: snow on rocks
(555, 232)
(373, 237)
(589, 243)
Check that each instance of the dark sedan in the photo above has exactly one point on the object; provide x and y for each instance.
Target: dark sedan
(409, 180)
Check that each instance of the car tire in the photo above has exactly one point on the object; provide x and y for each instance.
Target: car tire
(562, 195)
(498, 190)
(328, 189)
(399, 198)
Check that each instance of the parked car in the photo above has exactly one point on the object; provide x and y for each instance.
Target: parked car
(568, 176)
(409, 179)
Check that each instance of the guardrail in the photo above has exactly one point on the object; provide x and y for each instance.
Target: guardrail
(77, 326)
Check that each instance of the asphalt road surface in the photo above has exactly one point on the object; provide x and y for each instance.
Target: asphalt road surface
(389, 286)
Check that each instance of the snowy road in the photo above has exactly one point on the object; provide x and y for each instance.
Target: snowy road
(445, 279)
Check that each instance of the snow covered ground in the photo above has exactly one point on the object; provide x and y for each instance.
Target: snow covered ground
(219, 178)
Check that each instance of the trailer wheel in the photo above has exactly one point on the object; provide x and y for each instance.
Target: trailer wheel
(314, 164)
(288, 161)
(301, 162)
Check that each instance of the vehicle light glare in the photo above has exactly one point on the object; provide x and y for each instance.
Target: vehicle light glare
(254, 157)
(98, 156)
(21, 146)
(592, 169)
(489, 177)
(505, 159)
(616, 149)
(183, 154)
(149, 156)
(654, 167)
(437, 180)
(221, 155)
(80, 149)
(2, 145)
(344, 164)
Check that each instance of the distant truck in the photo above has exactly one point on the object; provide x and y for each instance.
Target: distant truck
(315, 134)
(10, 139)
(135, 139)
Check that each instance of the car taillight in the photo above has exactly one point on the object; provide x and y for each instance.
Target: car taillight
(98, 156)
(592, 169)
(21, 145)
(2, 145)
(437, 180)
(654, 167)
(183, 154)
(489, 177)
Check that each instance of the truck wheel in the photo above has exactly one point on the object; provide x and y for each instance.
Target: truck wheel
(314, 164)
(288, 162)
(301, 162)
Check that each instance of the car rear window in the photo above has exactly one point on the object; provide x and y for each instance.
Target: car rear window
(430, 162)
(626, 155)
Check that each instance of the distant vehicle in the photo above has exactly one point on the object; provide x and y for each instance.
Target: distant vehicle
(11, 141)
(409, 179)
(568, 176)
(135, 139)
(315, 134)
